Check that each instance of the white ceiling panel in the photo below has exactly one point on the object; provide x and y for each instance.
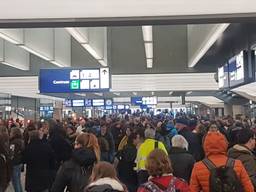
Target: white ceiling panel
(41, 40)
(16, 56)
(30, 9)
(22, 86)
(62, 47)
(248, 91)
(164, 82)
(1, 49)
(14, 35)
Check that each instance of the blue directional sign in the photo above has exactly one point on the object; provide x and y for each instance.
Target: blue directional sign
(74, 80)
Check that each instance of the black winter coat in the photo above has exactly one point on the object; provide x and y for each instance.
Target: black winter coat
(19, 147)
(74, 174)
(126, 165)
(182, 163)
(61, 147)
(194, 146)
(40, 161)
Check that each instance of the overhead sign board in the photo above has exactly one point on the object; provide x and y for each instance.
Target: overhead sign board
(236, 69)
(223, 78)
(74, 80)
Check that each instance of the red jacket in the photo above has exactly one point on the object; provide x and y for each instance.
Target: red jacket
(215, 147)
(164, 181)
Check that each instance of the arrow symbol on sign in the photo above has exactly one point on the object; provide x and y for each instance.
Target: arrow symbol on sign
(104, 71)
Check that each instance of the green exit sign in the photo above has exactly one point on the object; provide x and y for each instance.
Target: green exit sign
(75, 84)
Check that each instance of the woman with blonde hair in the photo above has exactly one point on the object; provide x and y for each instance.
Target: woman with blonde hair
(104, 178)
(74, 174)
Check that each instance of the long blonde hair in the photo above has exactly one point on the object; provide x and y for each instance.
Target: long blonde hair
(88, 140)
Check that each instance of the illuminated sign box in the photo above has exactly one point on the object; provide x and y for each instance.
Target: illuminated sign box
(74, 80)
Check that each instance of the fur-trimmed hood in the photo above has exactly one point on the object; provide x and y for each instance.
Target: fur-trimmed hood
(105, 184)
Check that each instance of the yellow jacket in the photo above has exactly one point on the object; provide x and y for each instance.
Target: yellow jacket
(144, 150)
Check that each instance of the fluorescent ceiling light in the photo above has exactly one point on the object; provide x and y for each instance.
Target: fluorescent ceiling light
(77, 35)
(57, 64)
(81, 94)
(152, 92)
(7, 38)
(102, 62)
(149, 50)
(15, 66)
(211, 40)
(99, 94)
(188, 93)
(149, 63)
(147, 33)
(35, 52)
(92, 51)
(170, 93)
(117, 94)
(134, 93)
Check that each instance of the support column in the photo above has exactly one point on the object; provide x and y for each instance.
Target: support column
(228, 110)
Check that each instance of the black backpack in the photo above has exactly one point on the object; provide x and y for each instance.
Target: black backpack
(223, 178)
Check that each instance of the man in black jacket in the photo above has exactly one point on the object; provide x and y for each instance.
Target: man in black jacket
(40, 161)
(194, 146)
(182, 161)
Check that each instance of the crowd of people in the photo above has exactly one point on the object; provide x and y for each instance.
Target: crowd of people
(133, 153)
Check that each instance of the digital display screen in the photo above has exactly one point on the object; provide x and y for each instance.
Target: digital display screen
(149, 100)
(97, 102)
(78, 103)
(136, 100)
(120, 107)
(88, 103)
(68, 103)
(127, 106)
(223, 76)
(46, 108)
(236, 69)
(74, 80)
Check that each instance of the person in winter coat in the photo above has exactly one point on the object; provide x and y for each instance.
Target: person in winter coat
(74, 174)
(243, 152)
(118, 133)
(105, 134)
(161, 178)
(40, 164)
(17, 147)
(124, 140)
(182, 161)
(59, 143)
(126, 162)
(5, 162)
(104, 178)
(193, 140)
(162, 135)
(215, 147)
(144, 150)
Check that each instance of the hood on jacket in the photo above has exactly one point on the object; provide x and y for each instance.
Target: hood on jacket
(105, 183)
(84, 157)
(215, 143)
(238, 150)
